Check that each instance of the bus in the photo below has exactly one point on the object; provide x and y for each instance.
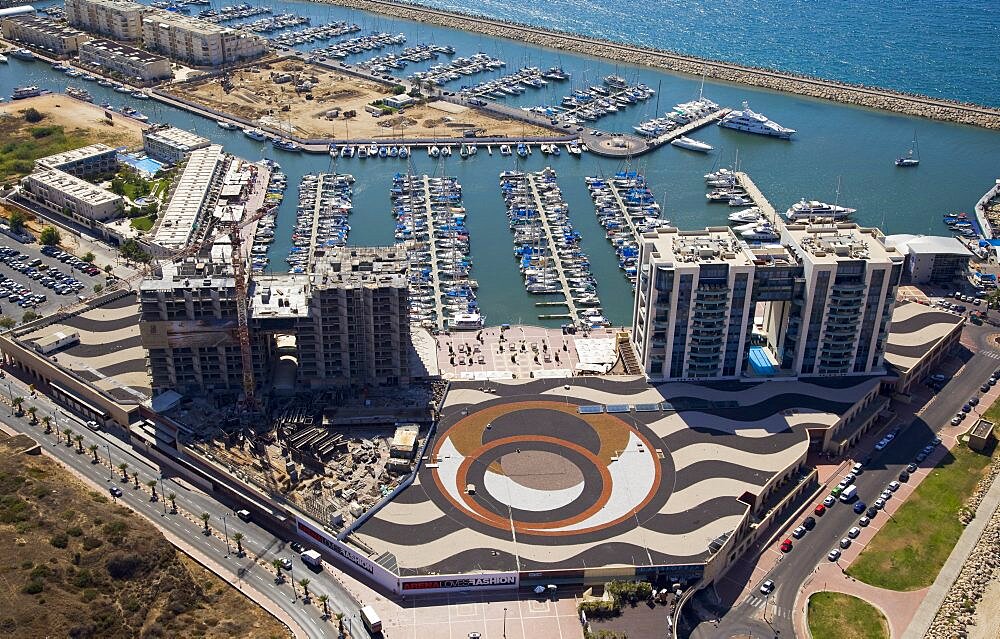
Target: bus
(372, 623)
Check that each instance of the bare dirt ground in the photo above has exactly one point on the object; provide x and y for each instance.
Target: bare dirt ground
(255, 96)
(82, 117)
(987, 621)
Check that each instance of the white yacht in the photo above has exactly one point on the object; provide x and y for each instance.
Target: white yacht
(751, 214)
(761, 233)
(685, 142)
(694, 110)
(226, 126)
(804, 209)
(752, 122)
(255, 134)
(466, 322)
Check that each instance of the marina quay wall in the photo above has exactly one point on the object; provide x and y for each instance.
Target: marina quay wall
(858, 95)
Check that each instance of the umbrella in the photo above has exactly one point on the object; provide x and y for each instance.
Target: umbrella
(539, 590)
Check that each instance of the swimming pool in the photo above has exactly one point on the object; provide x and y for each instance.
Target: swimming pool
(760, 361)
(143, 164)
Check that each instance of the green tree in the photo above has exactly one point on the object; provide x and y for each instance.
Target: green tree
(17, 220)
(324, 599)
(33, 115)
(173, 501)
(131, 250)
(89, 257)
(7, 322)
(29, 316)
(238, 538)
(107, 268)
(17, 402)
(49, 236)
(98, 288)
(32, 411)
(79, 443)
(305, 588)
(278, 575)
(124, 468)
(93, 451)
(152, 486)
(47, 422)
(204, 518)
(68, 432)
(340, 624)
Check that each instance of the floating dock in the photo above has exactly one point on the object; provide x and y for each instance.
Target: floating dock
(690, 127)
(758, 198)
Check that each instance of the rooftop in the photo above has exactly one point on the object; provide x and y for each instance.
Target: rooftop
(176, 138)
(73, 186)
(120, 5)
(189, 23)
(714, 244)
(73, 155)
(927, 244)
(277, 296)
(121, 50)
(830, 243)
(191, 274)
(915, 330)
(179, 220)
(45, 25)
(353, 266)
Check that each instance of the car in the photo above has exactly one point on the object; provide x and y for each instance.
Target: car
(286, 563)
(830, 500)
(920, 457)
(845, 542)
(857, 468)
(879, 503)
(799, 532)
(928, 450)
(886, 495)
(864, 521)
(833, 555)
(894, 486)
(985, 387)
(960, 415)
(904, 476)
(911, 468)
(297, 547)
(836, 492)
(860, 507)
(881, 445)
(767, 587)
(786, 546)
(854, 532)
(955, 421)
(809, 523)
(936, 441)
(966, 408)
(992, 381)
(819, 510)
(474, 635)
(115, 491)
(850, 478)
(973, 400)
(871, 512)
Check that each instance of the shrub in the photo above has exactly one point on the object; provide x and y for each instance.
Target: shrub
(84, 579)
(40, 132)
(74, 531)
(32, 115)
(124, 566)
(599, 609)
(59, 540)
(90, 543)
(49, 236)
(33, 587)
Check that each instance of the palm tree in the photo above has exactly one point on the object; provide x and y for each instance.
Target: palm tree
(323, 599)
(68, 432)
(205, 517)
(47, 422)
(79, 443)
(173, 501)
(152, 486)
(305, 588)
(340, 624)
(135, 476)
(278, 576)
(124, 468)
(31, 411)
(238, 538)
(16, 403)
(93, 451)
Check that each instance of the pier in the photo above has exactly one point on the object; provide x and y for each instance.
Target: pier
(535, 184)
(626, 208)
(758, 198)
(690, 127)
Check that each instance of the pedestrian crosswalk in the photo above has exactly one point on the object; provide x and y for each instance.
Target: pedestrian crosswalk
(772, 611)
(990, 354)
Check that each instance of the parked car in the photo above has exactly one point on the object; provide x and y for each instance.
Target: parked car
(819, 510)
(894, 486)
(911, 468)
(904, 476)
(809, 523)
(854, 532)
(767, 587)
(860, 507)
(786, 546)
(864, 521)
(829, 501)
(799, 532)
(845, 542)
(833, 555)
(871, 512)
(879, 503)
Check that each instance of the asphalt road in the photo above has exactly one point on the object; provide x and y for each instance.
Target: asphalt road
(258, 543)
(795, 567)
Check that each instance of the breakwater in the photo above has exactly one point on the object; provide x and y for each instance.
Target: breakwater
(853, 94)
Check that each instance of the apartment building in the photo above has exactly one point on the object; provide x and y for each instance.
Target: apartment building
(132, 64)
(42, 33)
(94, 159)
(197, 42)
(170, 144)
(710, 306)
(118, 19)
(70, 196)
(194, 195)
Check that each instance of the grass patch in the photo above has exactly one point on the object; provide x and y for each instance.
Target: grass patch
(143, 223)
(833, 615)
(24, 143)
(909, 550)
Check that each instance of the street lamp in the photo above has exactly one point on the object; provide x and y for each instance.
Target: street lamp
(111, 464)
(226, 531)
(504, 623)
(163, 496)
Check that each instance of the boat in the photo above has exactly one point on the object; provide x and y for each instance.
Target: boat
(88, 77)
(574, 149)
(685, 142)
(334, 152)
(79, 94)
(255, 134)
(129, 112)
(912, 157)
(285, 145)
(21, 93)
(434, 152)
(466, 322)
(105, 83)
(226, 126)
(505, 149)
(752, 214)
(362, 152)
(404, 152)
(761, 233)
(22, 54)
(3, 59)
(522, 150)
(749, 121)
(804, 209)
(446, 151)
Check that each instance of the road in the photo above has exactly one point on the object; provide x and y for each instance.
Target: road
(794, 568)
(261, 546)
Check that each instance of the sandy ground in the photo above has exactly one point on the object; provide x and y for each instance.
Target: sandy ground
(987, 620)
(255, 96)
(73, 114)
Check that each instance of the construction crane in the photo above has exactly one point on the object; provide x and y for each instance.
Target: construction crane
(239, 264)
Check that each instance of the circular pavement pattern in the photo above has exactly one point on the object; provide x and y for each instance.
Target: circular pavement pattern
(545, 470)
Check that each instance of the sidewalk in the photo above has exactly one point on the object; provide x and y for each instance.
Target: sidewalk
(924, 615)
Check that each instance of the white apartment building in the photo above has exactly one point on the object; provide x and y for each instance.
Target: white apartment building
(197, 42)
(130, 63)
(93, 159)
(170, 144)
(119, 19)
(194, 195)
(70, 196)
(42, 33)
(817, 302)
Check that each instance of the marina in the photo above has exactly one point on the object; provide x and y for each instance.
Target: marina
(396, 61)
(362, 44)
(548, 247)
(430, 224)
(626, 209)
(598, 100)
(511, 84)
(318, 33)
(321, 220)
(440, 74)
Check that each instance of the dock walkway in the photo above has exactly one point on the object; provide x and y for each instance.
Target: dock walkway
(690, 127)
(534, 184)
(428, 215)
(758, 198)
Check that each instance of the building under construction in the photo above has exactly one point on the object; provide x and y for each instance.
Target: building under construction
(343, 323)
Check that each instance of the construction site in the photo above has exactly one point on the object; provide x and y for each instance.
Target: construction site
(318, 102)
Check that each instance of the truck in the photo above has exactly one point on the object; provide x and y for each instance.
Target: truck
(849, 494)
(372, 623)
(312, 558)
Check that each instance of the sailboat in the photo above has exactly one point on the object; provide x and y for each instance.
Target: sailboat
(912, 157)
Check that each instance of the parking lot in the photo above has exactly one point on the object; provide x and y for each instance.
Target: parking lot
(41, 279)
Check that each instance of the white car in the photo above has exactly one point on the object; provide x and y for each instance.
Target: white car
(864, 521)
(854, 532)
(879, 503)
(767, 587)
(845, 542)
(881, 445)
(894, 486)
(886, 495)
(829, 501)
(833, 555)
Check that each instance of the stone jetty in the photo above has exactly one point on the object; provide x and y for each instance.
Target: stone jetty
(853, 94)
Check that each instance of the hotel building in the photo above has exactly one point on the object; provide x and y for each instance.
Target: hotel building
(70, 196)
(42, 33)
(129, 62)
